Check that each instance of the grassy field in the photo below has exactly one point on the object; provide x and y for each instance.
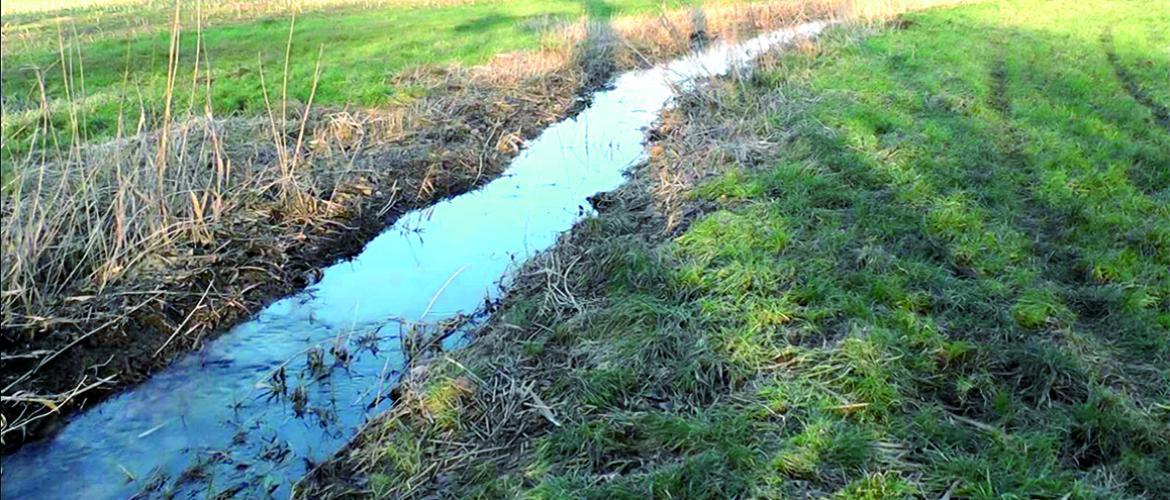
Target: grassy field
(110, 71)
(929, 259)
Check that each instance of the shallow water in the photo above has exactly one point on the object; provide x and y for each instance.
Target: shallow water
(255, 408)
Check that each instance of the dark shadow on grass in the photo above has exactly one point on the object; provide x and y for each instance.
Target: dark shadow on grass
(1007, 159)
(598, 9)
(487, 23)
(997, 150)
(1161, 113)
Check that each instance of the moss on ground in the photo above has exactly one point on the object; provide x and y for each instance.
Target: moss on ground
(948, 275)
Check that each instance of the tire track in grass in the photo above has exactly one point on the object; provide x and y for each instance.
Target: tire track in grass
(1129, 82)
(999, 98)
(1060, 258)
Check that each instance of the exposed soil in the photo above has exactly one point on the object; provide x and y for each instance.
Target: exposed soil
(999, 92)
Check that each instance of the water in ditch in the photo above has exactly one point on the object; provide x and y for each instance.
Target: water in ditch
(250, 413)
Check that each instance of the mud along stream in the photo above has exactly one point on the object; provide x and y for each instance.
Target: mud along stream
(251, 412)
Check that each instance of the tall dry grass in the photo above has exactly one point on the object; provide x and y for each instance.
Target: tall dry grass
(78, 213)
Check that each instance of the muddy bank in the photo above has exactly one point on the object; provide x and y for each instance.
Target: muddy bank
(367, 167)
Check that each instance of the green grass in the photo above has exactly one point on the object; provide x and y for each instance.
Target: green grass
(360, 50)
(984, 188)
(954, 276)
(1143, 50)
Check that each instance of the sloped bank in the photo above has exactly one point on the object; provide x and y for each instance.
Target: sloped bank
(786, 303)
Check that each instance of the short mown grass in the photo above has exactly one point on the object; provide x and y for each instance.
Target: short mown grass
(950, 278)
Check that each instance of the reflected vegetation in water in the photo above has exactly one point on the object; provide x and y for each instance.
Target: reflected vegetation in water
(253, 411)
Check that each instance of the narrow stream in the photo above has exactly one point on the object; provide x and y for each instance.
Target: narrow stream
(253, 410)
